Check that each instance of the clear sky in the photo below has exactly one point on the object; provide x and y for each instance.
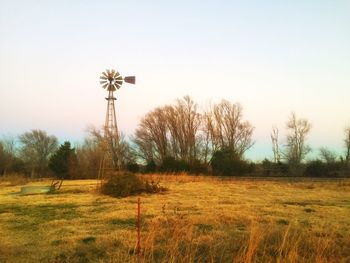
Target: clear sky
(273, 57)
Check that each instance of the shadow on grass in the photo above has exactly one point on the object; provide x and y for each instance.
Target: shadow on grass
(30, 217)
(125, 223)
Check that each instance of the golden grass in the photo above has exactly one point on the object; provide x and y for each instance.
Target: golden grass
(200, 219)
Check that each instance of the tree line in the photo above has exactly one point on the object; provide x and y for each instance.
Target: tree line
(174, 138)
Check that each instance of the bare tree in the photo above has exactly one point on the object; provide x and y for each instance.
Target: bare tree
(296, 148)
(151, 136)
(9, 143)
(347, 145)
(180, 131)
(119, 149)
(327, 155)
(205, 137)
(89, 155)
(169, 131)
(144, 145)
(37, 147)
(174, 132)
(3, 160)
(127, 153)
(183, 122)
(275, 145)
(228, 129)
(8, 152)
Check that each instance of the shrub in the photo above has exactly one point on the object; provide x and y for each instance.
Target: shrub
(170, 164)
(150, 167)
(198, 168)
(132, 167)
(14, 179)
(126, 184)
(226, 162)
(272, 169)
(316, 168)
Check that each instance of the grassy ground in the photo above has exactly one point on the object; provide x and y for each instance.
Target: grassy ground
(198, 220)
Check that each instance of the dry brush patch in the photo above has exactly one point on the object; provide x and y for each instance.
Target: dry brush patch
(13, 179)
(200, 219)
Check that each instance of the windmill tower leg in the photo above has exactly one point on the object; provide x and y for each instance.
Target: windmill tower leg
(111, 155)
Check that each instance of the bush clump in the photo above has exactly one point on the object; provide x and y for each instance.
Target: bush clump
(317, 168)
(170, 164)
(126, 184)
(226, 162)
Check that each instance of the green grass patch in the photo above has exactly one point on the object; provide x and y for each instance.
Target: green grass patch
(282, 222)
(31, 217)
(309, 210)
(89, 240)
(124, 223)
(204, 228)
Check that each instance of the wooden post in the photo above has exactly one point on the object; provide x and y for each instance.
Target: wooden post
(138, 248)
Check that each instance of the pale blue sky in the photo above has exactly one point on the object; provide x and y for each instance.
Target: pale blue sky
(273, 57)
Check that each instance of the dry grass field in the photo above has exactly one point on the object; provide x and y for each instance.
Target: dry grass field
(199, 219)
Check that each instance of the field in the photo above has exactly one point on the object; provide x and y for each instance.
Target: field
(199, 219)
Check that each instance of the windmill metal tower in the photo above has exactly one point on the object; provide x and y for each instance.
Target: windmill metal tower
(111, 80)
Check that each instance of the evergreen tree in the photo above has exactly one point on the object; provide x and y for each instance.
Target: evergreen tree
(62, 161)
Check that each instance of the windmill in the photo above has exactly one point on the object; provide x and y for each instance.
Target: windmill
(111, 80)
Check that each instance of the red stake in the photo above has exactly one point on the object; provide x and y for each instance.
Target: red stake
(138, 248)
